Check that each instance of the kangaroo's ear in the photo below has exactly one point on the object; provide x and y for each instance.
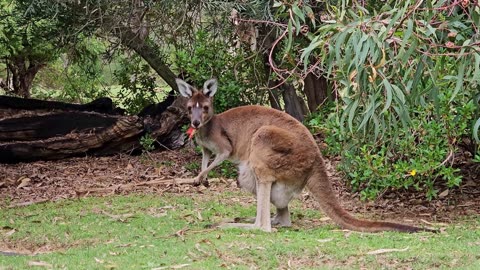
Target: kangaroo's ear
(184, 88)
(210, 87)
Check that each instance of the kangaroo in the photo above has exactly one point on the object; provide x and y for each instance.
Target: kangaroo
(276, 155)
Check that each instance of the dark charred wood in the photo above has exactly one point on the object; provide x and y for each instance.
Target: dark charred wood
(101, 105)
(32, 130)
(39, 127)
(72, 144)
(158, 108)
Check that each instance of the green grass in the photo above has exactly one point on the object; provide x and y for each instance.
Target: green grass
(171, 230)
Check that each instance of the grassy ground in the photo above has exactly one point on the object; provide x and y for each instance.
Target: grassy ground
(171, 231)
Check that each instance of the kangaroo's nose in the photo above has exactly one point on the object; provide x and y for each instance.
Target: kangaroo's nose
(196, 123)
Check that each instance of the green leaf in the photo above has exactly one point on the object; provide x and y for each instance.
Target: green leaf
(459, 84)
(402, 114)
(369, 111)
(377, 127)
(411, 48)
(389, 93)
(310, 14)
(418, 74)
(277, 4)
(408, 32)
(351, 114)
(364, 45)
(431, 31)
(476, 130)
(306, 52)
(297, 25)
(476, 73)
(339, 43)
(296, 10)
(290, 36)
(398, 93)
(343, 9)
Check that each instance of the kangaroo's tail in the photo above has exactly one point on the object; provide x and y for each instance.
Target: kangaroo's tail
(320, 187)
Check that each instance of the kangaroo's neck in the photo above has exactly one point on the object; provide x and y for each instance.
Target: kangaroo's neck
(209, 126)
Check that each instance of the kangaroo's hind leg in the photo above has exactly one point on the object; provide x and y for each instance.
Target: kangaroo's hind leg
(280, 199)
(249, 181)
(262, 219)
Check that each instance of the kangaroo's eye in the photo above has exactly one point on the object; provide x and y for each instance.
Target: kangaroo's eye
(189, 108)
(205, 108)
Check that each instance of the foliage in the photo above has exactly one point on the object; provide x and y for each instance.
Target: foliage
(25, 47)
(193, 167)
(226, 169)
(209, 58)
(476, 158)
(76, 76)
(19, 36)
(147, 142)
(138, 84)
(416, 156)
(398, 69)
(407, 77)
(35, 38)
(153, 25)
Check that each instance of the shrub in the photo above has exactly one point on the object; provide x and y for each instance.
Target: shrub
(416, 156)
(210, 58)
(138, 84)
(76, 76)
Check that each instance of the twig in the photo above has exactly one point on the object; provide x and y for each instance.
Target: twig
(404, 18)
(28, 203)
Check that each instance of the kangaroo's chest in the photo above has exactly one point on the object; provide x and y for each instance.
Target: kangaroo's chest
(210, 144)
(207, 144)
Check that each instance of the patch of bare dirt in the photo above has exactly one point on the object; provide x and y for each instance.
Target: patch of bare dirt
(27, 183)
(159, 172)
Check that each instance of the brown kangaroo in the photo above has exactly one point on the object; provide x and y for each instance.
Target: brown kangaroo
(276, 156)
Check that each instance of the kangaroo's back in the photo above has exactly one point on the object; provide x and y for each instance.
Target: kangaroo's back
(241, 123)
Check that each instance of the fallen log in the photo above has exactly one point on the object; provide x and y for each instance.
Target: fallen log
(100, 105)
(34, 129)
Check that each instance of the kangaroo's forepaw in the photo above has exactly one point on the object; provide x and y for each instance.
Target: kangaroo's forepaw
(201, 181)
(196, 183)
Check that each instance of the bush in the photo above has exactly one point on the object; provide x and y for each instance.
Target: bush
(76, 76)
(210, 58)
(138, 84)
(416, 156)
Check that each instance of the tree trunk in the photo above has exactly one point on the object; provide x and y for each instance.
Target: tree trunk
(273, 94)
(146, 49)
(294, 105)
(316, 91)
(22, 76)
(274, 99)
